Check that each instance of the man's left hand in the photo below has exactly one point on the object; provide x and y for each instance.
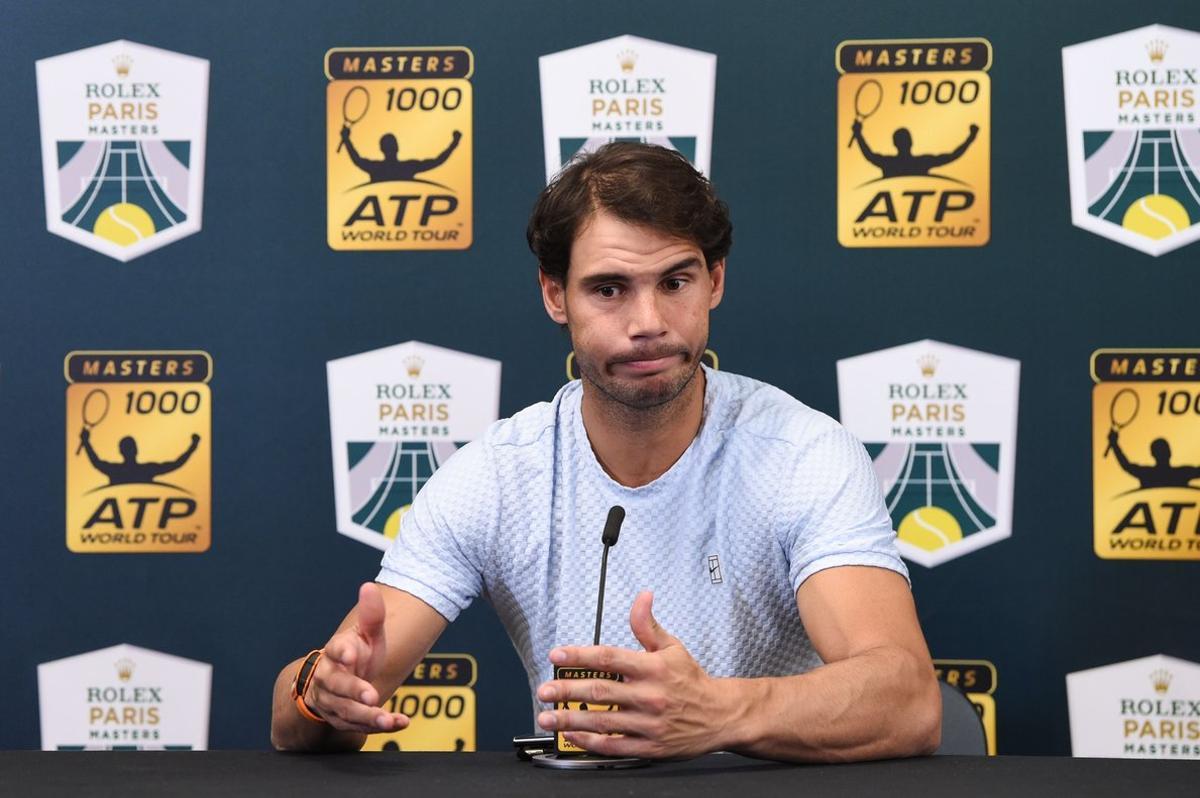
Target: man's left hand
(669, 707)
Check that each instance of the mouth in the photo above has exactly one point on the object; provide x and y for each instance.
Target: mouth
(649, 365)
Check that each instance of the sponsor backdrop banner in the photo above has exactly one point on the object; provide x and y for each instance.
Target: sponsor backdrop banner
(967, 231)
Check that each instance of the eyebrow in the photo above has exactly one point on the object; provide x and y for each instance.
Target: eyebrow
(591, 281)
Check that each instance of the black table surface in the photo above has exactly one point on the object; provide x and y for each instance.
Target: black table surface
(262, 773)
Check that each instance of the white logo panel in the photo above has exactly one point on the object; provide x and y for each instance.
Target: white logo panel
(395, 415)
(627, 88)
(940, 424)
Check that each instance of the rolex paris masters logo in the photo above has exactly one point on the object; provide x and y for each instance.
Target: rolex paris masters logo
(1133, 136)
(123, 129)
(395, 415)
(940, 424)
(627, 89)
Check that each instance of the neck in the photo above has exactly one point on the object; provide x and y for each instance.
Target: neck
(638, 445)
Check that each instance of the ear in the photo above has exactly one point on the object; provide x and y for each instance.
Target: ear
(554, 297)
(717, 275)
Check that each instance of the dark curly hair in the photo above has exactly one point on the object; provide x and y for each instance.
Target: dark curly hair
(639, 183)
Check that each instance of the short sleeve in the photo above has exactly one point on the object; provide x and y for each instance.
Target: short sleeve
(834, 514)
(438, 554)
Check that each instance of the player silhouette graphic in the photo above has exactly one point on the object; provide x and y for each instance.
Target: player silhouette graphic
(130, 471)
(1160, 475)
(391, 167)
(904, 163)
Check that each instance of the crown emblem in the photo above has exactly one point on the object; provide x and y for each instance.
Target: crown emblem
(124, 669)
(928, 364)
(1161, 679)
(627, 59)
(413, 365)
(1157, 48)
(122, 63)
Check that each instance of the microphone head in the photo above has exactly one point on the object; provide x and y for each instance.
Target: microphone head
(612, 527)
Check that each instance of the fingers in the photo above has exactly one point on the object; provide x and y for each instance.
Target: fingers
(644, 625)
(348, 650)
(610, 659)
(615, 746)
(600, 722)
(371, 611)
(349, 703)
(600, 692)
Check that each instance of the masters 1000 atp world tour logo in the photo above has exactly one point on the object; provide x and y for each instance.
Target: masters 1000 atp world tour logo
(139, 452)
(914, 143)
(1146, 453)
(940, 424)
(1133, 141)
(123, 129)
(398, 147)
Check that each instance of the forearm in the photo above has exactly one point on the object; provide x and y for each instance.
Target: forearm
(291, 731)
(880, 704)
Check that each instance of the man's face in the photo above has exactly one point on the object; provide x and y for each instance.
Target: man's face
(636, 302)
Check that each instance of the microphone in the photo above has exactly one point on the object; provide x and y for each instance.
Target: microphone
(612, 529)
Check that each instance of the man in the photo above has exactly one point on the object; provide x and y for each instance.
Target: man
(802, 645)
(904, 163)
(390, 167)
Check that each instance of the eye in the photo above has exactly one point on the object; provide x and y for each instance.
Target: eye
(607, 291)
(674, 283)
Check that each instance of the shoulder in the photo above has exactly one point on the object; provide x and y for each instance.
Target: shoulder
(532, 426)
(752, 410)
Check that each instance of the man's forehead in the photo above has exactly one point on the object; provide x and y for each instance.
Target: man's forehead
(606, 241)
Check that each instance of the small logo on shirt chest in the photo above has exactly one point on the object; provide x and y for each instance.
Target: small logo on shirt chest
(714, 569)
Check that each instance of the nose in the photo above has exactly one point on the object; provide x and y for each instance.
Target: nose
(646, 319)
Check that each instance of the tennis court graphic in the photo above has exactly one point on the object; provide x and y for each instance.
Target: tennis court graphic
(386, 475)
(938, 493)
(1144, 180)
(568, 148)
(125, 191)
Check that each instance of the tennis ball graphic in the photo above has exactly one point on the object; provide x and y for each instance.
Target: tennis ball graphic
(1156, 216)
(929, 528)
(124, 224)
(391, 527)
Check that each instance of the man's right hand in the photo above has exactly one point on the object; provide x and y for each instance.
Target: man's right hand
(341, 691)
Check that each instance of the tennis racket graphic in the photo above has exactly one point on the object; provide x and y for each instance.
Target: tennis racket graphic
(95, 408)
(354, 108)
(866, 102)
(1123, 410)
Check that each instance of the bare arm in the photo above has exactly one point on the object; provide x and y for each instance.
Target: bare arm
(876, 696)
(374, 649)
(942, 160)
(867, 152)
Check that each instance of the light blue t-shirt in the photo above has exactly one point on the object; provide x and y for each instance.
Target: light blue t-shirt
(768, 493)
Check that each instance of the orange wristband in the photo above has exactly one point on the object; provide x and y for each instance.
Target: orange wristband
(303, 680)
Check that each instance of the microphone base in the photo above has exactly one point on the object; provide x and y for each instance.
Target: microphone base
(576, 762)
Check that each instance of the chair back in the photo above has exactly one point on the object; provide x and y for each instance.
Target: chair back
(962, 728)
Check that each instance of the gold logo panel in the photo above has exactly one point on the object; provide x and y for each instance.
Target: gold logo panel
(139, 452)
(914, 143)
(561, 744)
(439, 699)
(1146, 454)
(399, 148)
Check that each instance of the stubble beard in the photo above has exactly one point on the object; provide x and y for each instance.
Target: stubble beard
(638, 402)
